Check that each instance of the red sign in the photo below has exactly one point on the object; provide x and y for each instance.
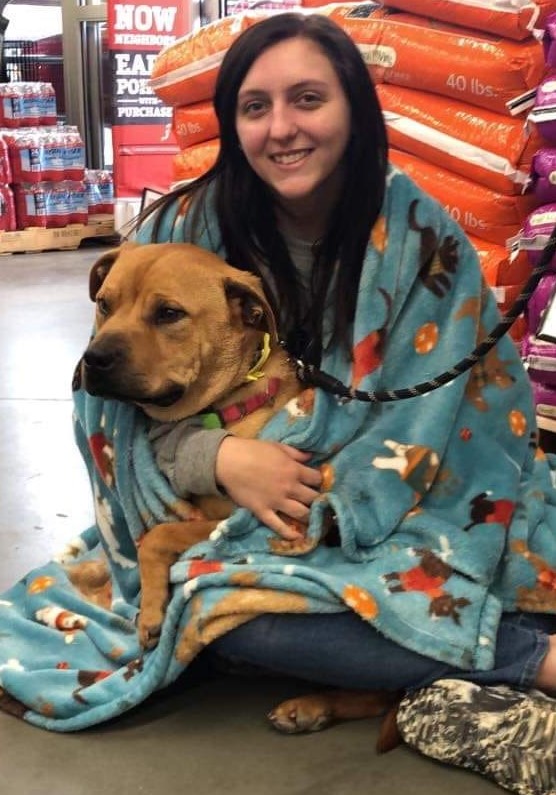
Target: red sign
(141, 125)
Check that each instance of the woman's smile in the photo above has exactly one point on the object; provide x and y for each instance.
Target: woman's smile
(290, 158)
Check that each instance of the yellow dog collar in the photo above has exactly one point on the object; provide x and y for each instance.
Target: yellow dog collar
(256, 371)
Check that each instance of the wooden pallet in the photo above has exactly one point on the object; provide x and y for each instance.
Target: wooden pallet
(36, 238)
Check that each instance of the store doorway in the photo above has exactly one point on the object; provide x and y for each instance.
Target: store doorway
(32, 45)
(61, 42)
(87, 77)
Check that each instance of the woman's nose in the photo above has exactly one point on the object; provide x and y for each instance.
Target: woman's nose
(282, 122)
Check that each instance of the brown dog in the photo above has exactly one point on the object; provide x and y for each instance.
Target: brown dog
(179, 331)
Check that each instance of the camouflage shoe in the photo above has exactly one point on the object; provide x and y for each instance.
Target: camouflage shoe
(509, 736)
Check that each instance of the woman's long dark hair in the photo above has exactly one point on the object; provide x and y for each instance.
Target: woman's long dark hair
(244, 205)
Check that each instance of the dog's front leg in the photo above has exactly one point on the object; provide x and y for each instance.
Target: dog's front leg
(159, 550)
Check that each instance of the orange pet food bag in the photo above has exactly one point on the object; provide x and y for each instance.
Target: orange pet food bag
(486, 147)
(194, 124)
(501, 266)
(481, 212)
(194, 161)
(512, 19)
(417, 52)
(185, 71)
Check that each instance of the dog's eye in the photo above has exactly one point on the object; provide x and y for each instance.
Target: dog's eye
(102, 306)
(168, 314)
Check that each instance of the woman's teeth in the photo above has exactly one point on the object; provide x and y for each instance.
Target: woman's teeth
(288, 159)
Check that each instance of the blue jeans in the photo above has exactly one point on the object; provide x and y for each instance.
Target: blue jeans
(342, 650)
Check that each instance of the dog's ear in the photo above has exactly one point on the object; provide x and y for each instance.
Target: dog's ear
(99, 271)
(250, 306)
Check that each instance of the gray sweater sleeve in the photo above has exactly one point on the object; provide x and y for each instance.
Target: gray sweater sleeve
(185, 453)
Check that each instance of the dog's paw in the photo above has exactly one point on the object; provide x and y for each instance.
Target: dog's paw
(149, 626)
(304, 714)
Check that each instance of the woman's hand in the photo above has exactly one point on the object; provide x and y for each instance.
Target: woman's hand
(269, 479)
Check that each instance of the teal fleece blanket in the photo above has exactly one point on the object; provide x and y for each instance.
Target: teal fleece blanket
(444, 504)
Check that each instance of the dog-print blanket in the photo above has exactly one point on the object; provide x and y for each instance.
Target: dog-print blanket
(444, 505)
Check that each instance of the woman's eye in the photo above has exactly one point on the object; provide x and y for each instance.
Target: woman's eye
(309, 100)
(253, 108)
(165, 315)
(102, 306)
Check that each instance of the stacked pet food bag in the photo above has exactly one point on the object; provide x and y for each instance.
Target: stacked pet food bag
(540, 354)
(42, 164)
(458, 82)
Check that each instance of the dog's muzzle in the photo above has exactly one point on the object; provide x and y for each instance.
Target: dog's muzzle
(107, 373)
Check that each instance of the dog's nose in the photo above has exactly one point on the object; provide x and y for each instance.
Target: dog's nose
(99, 359)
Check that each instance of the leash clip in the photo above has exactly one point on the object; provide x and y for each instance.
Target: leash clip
(301, 372)
(312, 376)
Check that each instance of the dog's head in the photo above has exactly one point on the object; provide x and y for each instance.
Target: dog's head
(176, 328)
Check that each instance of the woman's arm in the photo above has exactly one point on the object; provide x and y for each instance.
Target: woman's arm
(185, 453)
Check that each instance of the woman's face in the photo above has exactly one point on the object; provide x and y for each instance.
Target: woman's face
(293, 122)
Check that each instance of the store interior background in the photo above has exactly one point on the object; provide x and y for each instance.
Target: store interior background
(33, 49)
(65, 42)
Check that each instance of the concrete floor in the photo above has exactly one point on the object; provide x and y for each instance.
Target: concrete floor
(203, 739)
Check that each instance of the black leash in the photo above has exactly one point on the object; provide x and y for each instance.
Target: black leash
(311, 375)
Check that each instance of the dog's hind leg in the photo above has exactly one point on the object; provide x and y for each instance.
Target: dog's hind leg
(159, 549)
(318, 710)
